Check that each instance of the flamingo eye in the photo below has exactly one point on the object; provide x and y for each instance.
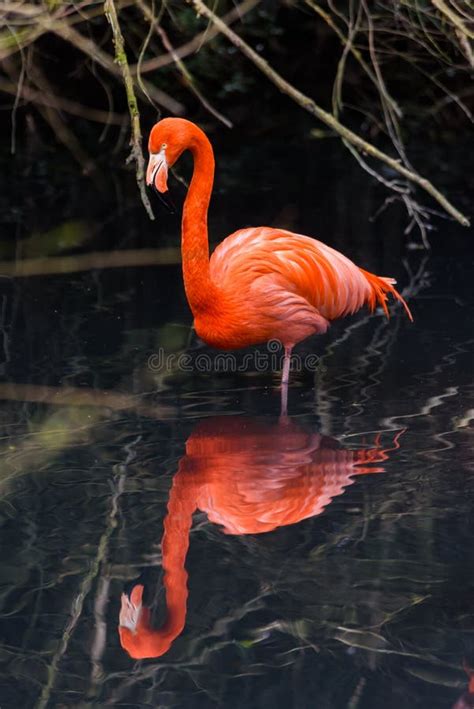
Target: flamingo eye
(164, 145)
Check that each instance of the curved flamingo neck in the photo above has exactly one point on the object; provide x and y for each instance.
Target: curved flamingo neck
(174, 547)
(145, 641)
(200, 291)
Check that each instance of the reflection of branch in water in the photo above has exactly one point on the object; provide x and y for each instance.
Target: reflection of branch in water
(102, 595)
(86, 586)
(324, 396)
(4, 331)
(376, 643)
(50, 438)
(73, 424)
(100, 635)
(436, 400)
(84, 397)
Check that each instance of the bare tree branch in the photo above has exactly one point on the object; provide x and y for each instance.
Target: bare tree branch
(196, 42)
(327, 118)
(136, 138)
(453, 18)
(187, 77)
(61, 104)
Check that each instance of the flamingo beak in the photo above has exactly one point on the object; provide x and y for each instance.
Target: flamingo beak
(157, 172)
(157, 177)
(131, 608)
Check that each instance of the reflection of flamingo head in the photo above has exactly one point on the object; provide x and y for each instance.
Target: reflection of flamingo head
(136, 635)
(465, 702)
(131, 609)
(467, 699)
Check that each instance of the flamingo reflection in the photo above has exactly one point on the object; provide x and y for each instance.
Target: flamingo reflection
(466, 701)
(249, 476)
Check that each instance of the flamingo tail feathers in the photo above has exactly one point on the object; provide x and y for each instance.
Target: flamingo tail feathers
(381, 286)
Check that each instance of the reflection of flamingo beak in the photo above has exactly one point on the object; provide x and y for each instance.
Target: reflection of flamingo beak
(131, 608)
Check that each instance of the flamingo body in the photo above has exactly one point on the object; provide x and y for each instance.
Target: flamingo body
(260, 283)
(275, 284)
(251, 476)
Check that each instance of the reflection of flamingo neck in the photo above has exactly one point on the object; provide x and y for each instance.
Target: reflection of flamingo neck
(144, 641)
(175, 544)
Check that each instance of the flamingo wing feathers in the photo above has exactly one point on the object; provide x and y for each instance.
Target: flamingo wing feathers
(326, 279)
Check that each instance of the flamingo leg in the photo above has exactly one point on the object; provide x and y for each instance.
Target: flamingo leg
(285, 376)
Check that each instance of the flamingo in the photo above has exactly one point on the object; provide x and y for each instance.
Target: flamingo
(260, 283)
(250, 477)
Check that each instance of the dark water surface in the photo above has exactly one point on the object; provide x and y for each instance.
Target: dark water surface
(294, 600)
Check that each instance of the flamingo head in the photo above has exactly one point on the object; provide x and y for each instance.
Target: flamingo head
(165, 146)
(137, 637)
(169, 138)
(131, 609)
(134, 628)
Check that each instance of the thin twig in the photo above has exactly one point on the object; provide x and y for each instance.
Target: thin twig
(348, 41)
(391, 117)
(143, 50)
(17, 94)
(59, 127)
(353, 50)
(103, 401)
(44, 22)
(195, 44)
(182, 68)
(69, 34)
(466, 47)
(61, 104)
(453, 18)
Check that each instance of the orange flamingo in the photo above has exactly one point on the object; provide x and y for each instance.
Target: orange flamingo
(260, 283)
(250, 477)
